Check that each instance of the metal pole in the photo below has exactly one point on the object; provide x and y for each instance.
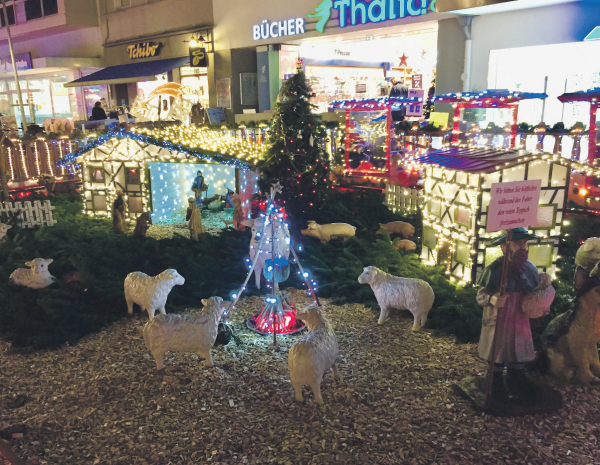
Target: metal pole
(544, 100)
(496, 340)
(12, 57)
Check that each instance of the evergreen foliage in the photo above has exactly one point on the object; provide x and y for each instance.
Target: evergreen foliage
(96, 260)
(337, 265)
(294, 156)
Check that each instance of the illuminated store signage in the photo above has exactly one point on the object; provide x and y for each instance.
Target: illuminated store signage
(350, 13)
(143, 50)
(274, 29)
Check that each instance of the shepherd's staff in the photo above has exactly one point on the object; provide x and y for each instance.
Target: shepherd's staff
(494, 353)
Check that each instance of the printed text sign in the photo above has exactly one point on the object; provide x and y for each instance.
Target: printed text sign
(513, 205)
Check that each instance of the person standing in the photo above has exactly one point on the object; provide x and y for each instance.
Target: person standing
(98, 112)
(528, 294)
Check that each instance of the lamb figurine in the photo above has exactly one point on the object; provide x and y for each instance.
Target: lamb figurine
(391, 291)
(150, 293)
(195, 332)
(313, 355)
(36, 277)
(4, 229)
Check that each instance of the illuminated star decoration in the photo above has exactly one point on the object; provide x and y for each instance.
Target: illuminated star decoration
(403, 59)
(276, 189)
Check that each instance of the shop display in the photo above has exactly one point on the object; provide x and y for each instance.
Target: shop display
(37, 276)
(313, 355)
(194, 332)
(150, 292)
(339, 83)
(326, 232)
(405, 230)
(571, 339)
(411, 294)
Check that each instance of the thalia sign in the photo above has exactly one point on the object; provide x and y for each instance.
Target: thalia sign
(350, 12)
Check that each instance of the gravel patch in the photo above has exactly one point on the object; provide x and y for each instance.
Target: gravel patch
(102, 402)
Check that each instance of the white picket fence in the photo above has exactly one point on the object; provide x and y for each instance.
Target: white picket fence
(37, 214)
(402, 198)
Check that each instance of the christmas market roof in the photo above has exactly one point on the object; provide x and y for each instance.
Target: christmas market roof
(581, 96)
(373, 103)
(472, 160)
(203, 143)
(487, 98)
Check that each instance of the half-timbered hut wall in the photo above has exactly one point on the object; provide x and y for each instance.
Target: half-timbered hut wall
(455, 205)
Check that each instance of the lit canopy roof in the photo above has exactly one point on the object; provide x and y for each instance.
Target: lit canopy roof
(581, 96)
(203, 143)
(487, 98)
(373, 103)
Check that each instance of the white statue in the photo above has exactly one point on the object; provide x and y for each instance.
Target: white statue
(4, 229)
(148, 292)
(406, 230)
(37, 276)
(195, 332)
(323, 232)
(313, 355)
(391, 291)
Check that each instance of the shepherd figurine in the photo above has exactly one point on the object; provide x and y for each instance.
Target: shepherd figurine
(529, 294)
(198, 187)
(119, 207)
(194, 216)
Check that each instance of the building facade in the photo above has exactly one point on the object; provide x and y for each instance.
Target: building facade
(55, 41)
(135, 32)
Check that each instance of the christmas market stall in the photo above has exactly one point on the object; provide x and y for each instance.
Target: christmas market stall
(585, 189)
(488, 99)
(370, 142)
(155, 164)
(456, 195)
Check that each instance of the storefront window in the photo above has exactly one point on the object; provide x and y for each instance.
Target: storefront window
(195, 82)
(42, 97)
(355, 66)
(93, 94)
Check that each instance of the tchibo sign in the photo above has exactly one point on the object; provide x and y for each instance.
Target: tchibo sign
(274, 29)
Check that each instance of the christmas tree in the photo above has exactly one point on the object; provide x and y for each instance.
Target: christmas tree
(295, 156)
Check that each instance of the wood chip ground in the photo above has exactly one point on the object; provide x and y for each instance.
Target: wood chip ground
(102, 402)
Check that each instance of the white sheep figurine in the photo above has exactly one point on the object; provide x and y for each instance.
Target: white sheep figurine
(37, 276)
(313, 355)
(4, 229)
(391, 291)
(195, 332)
(150, 292)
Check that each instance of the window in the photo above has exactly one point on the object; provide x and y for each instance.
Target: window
(10, 12)
(35, 9)
(132, 175)
(122, 4)
(96, 174)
